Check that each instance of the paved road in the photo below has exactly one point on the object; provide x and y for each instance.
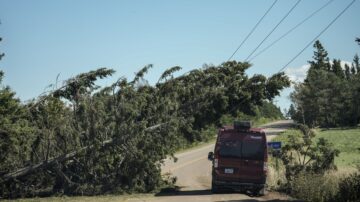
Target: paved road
(193, 172)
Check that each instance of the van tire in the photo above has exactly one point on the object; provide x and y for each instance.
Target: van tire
(214, 188)
(261, 191)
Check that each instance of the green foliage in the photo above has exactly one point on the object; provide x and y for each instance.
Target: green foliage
(314, 187)
(302, 154)
(349, 189)
(1, 56)
(329, 96)
(330, 185)
(14, 126)
(89, 140)
(292, 112)
(269, 110)
(275, 84)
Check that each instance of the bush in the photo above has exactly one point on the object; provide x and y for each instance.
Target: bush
(349, 189)
(315, 187)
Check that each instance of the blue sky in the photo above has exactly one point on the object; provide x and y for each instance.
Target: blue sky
(42, 39)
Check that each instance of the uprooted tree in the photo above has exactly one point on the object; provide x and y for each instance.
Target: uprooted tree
(82, 139)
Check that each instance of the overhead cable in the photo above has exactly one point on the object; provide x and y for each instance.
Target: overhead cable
(253, 29)
(287, 14)
(292, 29)
(317, 36)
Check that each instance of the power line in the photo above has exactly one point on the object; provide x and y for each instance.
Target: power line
(253, 29)
(292, 29)
(287, 14)
(327, 27)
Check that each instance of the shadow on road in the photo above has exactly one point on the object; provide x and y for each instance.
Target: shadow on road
(207, 192)
(254, 200)
(174, 192)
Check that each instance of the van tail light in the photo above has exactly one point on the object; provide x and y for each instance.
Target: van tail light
(216, 163)
(265, 161)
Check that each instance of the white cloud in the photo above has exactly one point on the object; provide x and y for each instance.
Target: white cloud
(297, 74)
(343, 63)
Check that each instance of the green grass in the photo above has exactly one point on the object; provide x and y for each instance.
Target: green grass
(347, 141)
(283, 137)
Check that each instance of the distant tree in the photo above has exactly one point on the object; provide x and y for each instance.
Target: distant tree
(292, 111)
(321, 60)
(270, 110)
(347, 71)
(356, 64)
(326, 98)
(1, 54)
(337, 69)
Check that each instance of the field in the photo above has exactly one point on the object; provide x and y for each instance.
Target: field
(347, 141)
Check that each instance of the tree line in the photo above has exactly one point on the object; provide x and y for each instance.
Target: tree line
(85, 139)
(330, 94)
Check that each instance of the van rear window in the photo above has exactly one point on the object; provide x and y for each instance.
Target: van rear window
(250, 147)
(253, 150)
(230, 149)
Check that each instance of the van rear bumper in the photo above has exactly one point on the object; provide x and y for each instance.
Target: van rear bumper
(238, 185)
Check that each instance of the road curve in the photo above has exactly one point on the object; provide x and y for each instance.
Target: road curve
(193, 172)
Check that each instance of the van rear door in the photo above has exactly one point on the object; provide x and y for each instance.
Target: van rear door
(228, 149)
(253, 158)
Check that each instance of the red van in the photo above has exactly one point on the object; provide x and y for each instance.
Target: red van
(239, 159)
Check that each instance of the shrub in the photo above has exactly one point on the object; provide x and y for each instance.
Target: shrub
(315, 187)
(349, 189)
(301, 153)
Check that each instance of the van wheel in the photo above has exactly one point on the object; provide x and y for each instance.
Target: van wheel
(214, 188)
(261, 191)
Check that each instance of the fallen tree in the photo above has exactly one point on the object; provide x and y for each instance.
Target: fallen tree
(90, 140)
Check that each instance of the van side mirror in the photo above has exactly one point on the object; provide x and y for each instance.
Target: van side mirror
(211, 156)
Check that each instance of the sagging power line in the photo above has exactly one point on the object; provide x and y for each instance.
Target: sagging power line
(317, 36)
(253, 29)
(277, 25)
(292, 29)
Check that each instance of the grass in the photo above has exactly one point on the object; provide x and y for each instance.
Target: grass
(320, 187)
(347, 141)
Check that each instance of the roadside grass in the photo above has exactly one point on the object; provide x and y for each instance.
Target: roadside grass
(347, 141)
(315, 187)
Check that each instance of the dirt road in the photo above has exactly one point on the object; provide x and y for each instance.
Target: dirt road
(193, 172)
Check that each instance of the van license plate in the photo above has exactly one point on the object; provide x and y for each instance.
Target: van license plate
(229, 170)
